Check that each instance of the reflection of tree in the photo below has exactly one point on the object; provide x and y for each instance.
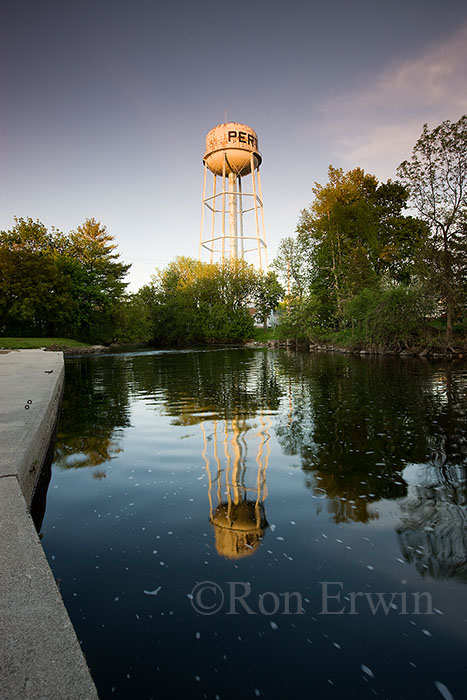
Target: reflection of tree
(84, 450)
(433, 529)
(447, 436)
(355, 423)
(344, 501)
(190, 384)
(223, 384)
(95, 404)
(239, 519)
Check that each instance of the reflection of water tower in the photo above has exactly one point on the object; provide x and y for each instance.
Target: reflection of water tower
(239, 519)
(233, 225)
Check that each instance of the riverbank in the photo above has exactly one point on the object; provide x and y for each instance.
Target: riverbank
(80, 350)
(437, 351)
(39, 343)
(40, 656)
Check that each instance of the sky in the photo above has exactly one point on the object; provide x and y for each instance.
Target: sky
(105, 105)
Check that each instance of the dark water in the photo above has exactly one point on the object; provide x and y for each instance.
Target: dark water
(248, 523)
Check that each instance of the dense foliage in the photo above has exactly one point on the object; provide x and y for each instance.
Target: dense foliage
(72, 285)
(436, 177)
(353, 243)
(55, 284)
(360, 271)
(191, 301)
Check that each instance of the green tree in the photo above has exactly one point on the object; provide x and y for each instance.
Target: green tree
(268, 294)
(133, 323)
(391, 317)
(97, 274)
(339, 230)
(191, 301)
(54, 284)
(292, 263)
(356, 234)
(436, 177)
(400, 238)
(353, 237)
(34, 289)
(28, 235)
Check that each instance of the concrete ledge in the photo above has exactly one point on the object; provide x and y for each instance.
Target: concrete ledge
(40, 656)
(31, 384)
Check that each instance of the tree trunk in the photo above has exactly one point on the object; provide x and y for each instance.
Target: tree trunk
(449, 322)
(449, 295)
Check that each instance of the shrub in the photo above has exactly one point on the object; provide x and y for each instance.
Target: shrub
(391, 317)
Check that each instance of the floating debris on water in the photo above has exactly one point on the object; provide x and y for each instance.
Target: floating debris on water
(444, 691)
(154, 592)
(367, 670)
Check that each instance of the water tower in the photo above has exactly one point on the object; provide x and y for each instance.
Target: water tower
(232, 219)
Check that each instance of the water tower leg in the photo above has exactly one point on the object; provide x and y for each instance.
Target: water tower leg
(223, 212)
(233, 217)
(202, 212)
(255, 204)
(240, 217)
(213, 229)
(262, 219)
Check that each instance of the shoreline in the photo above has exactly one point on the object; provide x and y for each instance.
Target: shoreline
(437, 352)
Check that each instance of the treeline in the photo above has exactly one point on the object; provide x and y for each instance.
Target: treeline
(191, 301)
(72, 285)
(362, 272)
(55, 284)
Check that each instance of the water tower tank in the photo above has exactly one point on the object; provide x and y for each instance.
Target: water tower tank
(236, 142)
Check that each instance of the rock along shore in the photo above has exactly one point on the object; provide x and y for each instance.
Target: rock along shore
(449, 352)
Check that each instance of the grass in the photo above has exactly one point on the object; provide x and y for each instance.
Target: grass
(30, 343)
(262, 336)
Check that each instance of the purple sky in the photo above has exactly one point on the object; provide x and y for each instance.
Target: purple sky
(105, 105)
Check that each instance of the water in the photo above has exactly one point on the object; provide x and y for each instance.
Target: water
(247, 523)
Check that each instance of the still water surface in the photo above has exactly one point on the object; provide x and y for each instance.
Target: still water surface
(248, 523)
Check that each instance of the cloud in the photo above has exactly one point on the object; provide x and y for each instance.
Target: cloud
(375, 127)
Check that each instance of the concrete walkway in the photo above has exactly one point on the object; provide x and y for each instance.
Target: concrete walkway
(40, 656)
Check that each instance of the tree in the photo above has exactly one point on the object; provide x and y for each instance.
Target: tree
(358, 234)
(57, 284)
(97, 278)
(352, 237)
(34, 294)
(400, 238)
(390, 317)
(340, 227)
(292, 264)
(29, 235)
(132, 320)
(34, 289)
(268, 293)
(191, 301)
(436, 177)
